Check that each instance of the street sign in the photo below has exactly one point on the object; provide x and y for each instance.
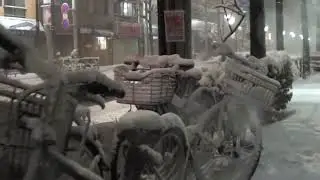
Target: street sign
(174, 25)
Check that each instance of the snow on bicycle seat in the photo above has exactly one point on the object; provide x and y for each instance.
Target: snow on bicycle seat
(141, 119)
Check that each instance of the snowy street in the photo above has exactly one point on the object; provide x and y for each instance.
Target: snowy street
(292, 147)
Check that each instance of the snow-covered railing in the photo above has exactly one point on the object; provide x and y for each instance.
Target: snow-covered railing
(68, 64)
(78, 64)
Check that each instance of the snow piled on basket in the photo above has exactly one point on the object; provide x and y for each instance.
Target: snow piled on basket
(213, 68)
(278, 59)
(212, 71)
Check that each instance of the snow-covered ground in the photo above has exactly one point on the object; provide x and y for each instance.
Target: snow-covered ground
(292, 147)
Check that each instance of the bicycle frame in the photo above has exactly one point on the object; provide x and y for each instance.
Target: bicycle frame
(55, 122)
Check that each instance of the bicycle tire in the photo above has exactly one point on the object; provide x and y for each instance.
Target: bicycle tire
(131, 172)
(91, 152)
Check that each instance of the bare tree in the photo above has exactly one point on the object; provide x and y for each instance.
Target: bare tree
(148, 9)
(214, 28)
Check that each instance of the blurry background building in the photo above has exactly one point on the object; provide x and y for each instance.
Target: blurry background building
(18, 16)
(114, 29)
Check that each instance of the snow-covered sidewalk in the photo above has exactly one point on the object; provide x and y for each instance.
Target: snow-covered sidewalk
(291, 147)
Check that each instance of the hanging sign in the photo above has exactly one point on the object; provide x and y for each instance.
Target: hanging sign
(65, 18)
(174, 25)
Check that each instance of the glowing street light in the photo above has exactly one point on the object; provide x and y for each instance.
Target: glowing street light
(266, 28)
(301, 36)
(269, 36)
(292, 34)
(284, 33)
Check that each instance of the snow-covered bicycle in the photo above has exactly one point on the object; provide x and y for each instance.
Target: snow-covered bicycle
(196, 132)
(37, 136)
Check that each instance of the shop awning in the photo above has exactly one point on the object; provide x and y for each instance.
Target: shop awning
(20, 26)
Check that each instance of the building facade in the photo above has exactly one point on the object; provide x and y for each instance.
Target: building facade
(18, 8)
(105, 28)
(18, 16)
(127, 28)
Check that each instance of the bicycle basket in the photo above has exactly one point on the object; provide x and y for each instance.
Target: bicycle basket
(147, 87)
(243, 81)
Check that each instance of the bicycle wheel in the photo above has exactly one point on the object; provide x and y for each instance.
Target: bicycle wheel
(161, 159)
(236, 158)
(88, 156)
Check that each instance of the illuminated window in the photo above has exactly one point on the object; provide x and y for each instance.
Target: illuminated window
(102, 43)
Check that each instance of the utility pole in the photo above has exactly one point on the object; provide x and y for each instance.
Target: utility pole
(181, 48)
(257, 24)
(305, 33)
(50, 31)
(36, 38)
(75, 26)
(279, 25)
(206, 27)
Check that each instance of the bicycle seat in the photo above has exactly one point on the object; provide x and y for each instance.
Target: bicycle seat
(141, 119)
